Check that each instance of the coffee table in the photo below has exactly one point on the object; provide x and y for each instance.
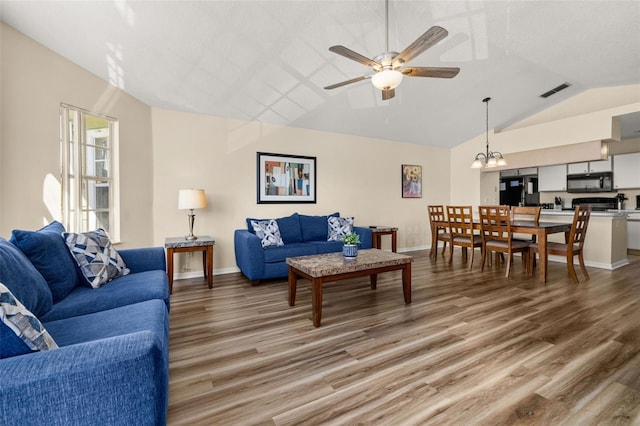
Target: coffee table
(329, 267)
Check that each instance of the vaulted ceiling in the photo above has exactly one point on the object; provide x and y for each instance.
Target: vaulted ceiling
(269, 60)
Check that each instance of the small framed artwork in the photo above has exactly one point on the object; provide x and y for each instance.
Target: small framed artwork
(411, 181)
(285, 178)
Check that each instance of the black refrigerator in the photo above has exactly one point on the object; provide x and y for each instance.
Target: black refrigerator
(519, 191)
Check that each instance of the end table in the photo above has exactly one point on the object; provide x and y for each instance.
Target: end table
(180, 245)
(378, 231)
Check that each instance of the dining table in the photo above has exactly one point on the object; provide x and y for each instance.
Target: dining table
(541, 230)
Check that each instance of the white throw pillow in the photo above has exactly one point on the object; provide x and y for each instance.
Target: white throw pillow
(339, 227)
(268, 232)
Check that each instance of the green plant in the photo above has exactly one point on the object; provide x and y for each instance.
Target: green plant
(351, 238)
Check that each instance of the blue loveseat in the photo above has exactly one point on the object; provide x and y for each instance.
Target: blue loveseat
(111, 364)
(301, 234)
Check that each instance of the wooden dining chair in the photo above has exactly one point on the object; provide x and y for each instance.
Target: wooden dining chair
(495, 224)
(574, 245)
(460, 220)
(439, 229)
(531, 213)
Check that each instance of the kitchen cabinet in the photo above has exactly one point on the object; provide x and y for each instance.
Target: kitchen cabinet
(626, 171)
(590, 167)
(552, 178)
(527, 171)
(633, 231)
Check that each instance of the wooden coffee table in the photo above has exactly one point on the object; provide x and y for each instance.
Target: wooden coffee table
(329, 267)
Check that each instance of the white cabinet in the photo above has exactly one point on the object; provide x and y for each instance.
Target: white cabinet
(590, 167)
(552, 178)
(527, 171)
(633, 231)
(626, 171)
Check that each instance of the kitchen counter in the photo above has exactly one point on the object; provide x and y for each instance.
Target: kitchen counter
(605, 245)
(608, 213)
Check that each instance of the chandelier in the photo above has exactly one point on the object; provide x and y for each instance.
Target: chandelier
(488, 158)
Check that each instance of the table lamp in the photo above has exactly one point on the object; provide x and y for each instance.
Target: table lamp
(190, 199)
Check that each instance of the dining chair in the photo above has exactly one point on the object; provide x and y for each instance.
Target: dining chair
(574, 245)
(460, 220)
(495, 224)
(531, 213)
(439, 229)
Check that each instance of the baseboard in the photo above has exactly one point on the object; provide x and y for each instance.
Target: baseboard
(199, 274)
(608, 266)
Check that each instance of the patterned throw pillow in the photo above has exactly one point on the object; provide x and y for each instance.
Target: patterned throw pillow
(339, 227)
(268, 232)
(23, 323)
(96, 257)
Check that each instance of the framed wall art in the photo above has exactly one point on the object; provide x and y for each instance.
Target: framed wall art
(285, 178)
(411, 181)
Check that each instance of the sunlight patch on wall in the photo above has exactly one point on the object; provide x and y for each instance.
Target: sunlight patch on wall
(51, 197)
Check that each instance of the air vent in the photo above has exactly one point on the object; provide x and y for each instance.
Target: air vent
(555, 90)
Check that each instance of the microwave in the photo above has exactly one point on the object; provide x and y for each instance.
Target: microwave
(590, 182)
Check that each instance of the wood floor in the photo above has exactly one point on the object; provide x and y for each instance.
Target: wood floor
(472, 348)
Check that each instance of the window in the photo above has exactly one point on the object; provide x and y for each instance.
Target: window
(88, 147)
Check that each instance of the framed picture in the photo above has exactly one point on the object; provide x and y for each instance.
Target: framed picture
(411, 181)
(285, 178)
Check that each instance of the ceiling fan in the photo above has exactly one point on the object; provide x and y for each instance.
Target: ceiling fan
(389, 67)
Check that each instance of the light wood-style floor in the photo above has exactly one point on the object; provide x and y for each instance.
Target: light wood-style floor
(472, 348)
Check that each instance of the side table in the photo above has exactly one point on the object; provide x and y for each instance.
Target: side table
(180, 245)
(378, 231)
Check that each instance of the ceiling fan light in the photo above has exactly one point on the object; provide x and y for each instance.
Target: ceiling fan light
(387, 79)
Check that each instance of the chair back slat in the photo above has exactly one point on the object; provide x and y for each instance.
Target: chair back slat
(436, 214)
(579, 226)
(460, 220)
(495, 222)
(532, 213)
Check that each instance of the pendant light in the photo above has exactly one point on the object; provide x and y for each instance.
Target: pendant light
(488, 158)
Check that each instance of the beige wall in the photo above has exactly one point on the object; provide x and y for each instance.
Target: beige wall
(356, 176)
(34, 82)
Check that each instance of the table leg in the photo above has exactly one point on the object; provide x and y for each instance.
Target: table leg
(373, 279)
(542, 251)
(406, 283)
(293, 286)
(394, 241)
(204, 262)
(316, 300)
(170, 268)
(209, 266)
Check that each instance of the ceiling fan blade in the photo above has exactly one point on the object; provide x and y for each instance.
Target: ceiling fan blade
(344, 83)
(422, 43)
(355, 56)
(388, 94)
(437, 72)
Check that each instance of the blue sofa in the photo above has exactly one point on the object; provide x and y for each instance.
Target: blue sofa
(302, 235)
(111, 364)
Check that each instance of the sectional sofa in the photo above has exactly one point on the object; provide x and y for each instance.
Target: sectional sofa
(261, 254)
(97, 355)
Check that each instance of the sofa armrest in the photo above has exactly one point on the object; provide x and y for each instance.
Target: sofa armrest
(118, 380)
(249, 254)
(366, 236)
(144, 259)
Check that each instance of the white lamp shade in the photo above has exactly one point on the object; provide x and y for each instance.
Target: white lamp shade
(387, 79)
(191, 199)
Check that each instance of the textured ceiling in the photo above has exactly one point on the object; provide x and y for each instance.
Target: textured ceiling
(268, 60)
